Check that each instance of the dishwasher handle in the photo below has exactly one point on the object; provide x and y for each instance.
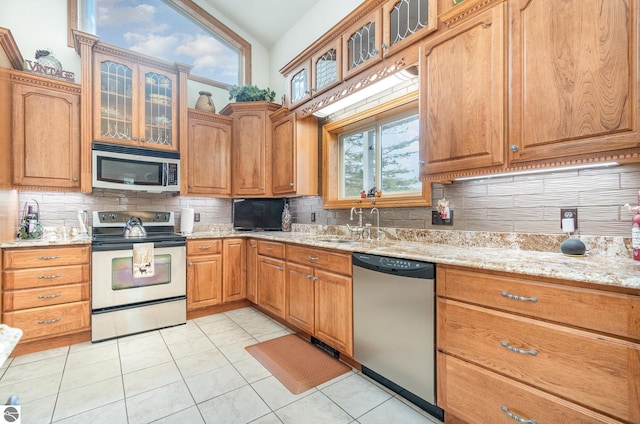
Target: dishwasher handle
(395, 266)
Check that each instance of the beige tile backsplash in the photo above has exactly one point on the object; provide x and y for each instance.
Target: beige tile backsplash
(522, 204)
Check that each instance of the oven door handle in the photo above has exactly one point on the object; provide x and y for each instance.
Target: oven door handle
(104, 247)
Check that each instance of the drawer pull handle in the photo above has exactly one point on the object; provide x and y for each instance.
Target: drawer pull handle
(516, 297)
(49, 321)
(531, 352)
(268, 249)
(49, 296)
(48, 277)
(204, 247)
(48, 258)
(313, 258)
(517, 418)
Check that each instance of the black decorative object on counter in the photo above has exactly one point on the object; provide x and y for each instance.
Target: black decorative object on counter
(573, 247)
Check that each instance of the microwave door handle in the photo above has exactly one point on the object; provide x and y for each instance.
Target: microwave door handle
(165, 174)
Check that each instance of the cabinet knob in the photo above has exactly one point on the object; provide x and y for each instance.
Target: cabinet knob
(384, 46)
(254, 245)
(190, 185)
(261, 188)
(135, 138)
(514, 148)
(421, 162)
(290, 184)
(190, 263)
(280, 268)
(142, 140)
(74, 179)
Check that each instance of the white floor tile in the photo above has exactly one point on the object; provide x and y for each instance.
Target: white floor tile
(40, 356)
(86, 398)
(158, 403)
(150, 378)
(268, 419)
(201, 362)
(316, 409)
(356, 395)
(215, 383)
(74, 377)
(186, 416)
(230, 337)
(141, 342)
(275, 394)
(33, 389)
(251, 369)
(190, 345)
(236, 351)
(145, 358)
(239, 406)
(31, 370)
(39, 411)
(113, 413)
(393, 411)
(97, 353)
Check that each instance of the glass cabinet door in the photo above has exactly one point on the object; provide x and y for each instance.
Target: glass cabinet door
(362, 44)
(326, 69)
(158, 108)
(299, 84)
(404, 18)
(116, 101)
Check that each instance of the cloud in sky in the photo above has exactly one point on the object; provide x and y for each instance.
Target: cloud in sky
(153, 28)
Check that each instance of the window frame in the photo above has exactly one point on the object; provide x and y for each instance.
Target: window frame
(331, 158)
(203, 17)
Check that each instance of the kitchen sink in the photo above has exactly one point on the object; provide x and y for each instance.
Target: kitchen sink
(337, 240)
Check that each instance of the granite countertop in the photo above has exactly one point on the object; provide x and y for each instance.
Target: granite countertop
(607, 262)
(594, 268)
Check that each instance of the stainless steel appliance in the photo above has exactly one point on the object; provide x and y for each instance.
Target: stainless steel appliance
(131, 168)
(127, 298)
(394, 326)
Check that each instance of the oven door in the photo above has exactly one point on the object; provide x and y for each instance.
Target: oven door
(114, 283)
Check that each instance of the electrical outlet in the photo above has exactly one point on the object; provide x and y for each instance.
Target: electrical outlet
(196, 216)
(571, 214)
(436, 218)
(313, 217)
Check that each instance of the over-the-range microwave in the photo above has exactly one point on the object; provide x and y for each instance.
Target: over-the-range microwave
(131, 168)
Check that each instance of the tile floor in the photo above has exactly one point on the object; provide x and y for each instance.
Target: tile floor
(193, 373)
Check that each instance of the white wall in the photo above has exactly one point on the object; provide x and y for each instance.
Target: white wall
(322, 17)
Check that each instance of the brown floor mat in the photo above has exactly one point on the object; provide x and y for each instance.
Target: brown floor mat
(296, 363)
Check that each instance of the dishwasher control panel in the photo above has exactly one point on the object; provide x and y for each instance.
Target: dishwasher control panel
(389, 265)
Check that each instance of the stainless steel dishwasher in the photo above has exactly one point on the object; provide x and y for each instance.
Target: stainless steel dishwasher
(394, 326)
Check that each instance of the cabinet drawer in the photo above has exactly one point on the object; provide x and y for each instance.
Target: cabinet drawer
(44, 296)
(43, 277)
(327, 260)
(38, 258)
(586, 368)
(204, 247)
(611, 313)
(271, 248)
(50, 320)
(479, 396)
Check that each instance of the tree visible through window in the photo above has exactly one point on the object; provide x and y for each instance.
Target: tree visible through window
(159, 29)
(384, 156)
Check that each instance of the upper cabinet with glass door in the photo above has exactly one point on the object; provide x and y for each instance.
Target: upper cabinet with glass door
(406, 21)
(361, 44)
(134, 104)
(326, 67)
(299, 84)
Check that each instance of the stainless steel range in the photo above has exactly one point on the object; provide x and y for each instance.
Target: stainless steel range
(138, 273)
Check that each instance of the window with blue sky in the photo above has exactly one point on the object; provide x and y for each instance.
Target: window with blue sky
(158, 29)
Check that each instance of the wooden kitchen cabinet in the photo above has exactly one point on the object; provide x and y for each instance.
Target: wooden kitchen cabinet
(46, 292)
(251, 147)
(234, 284)
(568, 98)
(544, 339)
(135, 99)
(208, 153)
(204, 273)
(252, 270)
(462, 95)
(406, 21)
(271, 277)
(320, 295)
(45, 133)
(294, 170)
(362, 44)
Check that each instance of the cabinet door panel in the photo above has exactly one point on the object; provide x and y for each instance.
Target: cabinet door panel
(462, 95)
(284, 154)
(574, 82)
(252, 270)
(249, 156)
(300, 297)
(204, 281)
(46, 137)
(334, 310)
(234, 285)
(209, 162)
(271, 285)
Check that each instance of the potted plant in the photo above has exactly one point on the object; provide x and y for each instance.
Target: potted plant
(251, 93)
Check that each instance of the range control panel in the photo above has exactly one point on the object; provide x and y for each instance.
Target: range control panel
(120, 218)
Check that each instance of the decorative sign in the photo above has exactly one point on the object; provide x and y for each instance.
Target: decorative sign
(47, 64)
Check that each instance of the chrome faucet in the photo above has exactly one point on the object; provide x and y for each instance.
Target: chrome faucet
(360, 228)
(377, 222)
